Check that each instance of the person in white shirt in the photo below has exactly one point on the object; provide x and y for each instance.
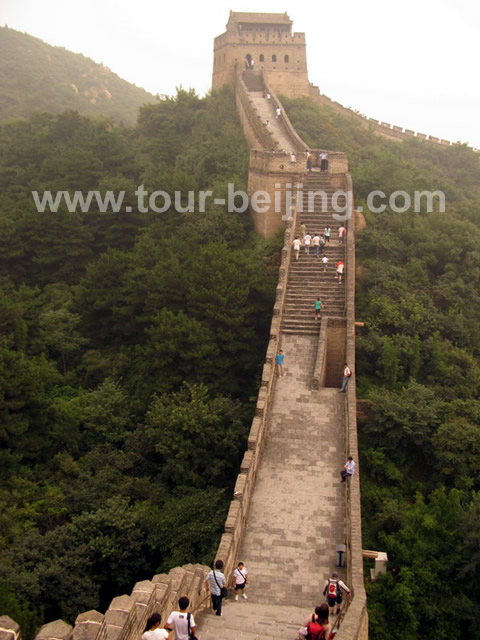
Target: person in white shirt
(152, 631)
(323, 157)
(179, 620)
(240, 576)
(325, 262)
(347, 374)
(296, 247)
(307, 240)
(348, 469)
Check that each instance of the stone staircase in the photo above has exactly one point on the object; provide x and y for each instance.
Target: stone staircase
(245, 620)
(253, 80)
(308, 279)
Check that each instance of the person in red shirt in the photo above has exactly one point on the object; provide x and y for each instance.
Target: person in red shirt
(340, 269)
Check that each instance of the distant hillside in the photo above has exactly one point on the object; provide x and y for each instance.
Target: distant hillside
(34, 76)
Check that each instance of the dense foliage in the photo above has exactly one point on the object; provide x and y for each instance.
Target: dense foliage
(130, 353)
(418, 377)
(34, 76)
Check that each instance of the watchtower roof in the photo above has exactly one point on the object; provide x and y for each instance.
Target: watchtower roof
(259, 18)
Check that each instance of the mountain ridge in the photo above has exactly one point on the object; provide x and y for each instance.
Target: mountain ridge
(36, 76)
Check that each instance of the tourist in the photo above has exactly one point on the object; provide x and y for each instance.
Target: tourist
(327, 235)
(340, 268)
(325, 263)
(309, 162)
(296, 247)
(307, 241)
(347, 374)
(348, 469)
(279, 359)
(333, 591)
(322, 243)
(152, 630)
(316, 244)
(318, 308)
(214, 584)
(181, 620)
(323, 157)
(293, 157)
(320, 616)
(342, 234)
(277, 112)
(240, 575)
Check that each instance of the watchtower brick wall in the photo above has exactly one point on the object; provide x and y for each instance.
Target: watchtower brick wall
(267, 41)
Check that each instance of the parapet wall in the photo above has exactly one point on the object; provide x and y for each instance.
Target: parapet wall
(126, 616)
(355, 623)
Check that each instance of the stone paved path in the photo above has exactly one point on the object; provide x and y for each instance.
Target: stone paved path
(266, 110)
(297, 514)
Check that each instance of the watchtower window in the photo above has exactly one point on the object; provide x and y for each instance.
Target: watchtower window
(286, 58)
(262, 58)
(274, 58)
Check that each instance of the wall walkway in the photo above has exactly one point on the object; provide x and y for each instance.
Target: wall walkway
(289, 511)
(298, 507)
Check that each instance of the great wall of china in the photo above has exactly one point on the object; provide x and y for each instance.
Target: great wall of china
(289, 515)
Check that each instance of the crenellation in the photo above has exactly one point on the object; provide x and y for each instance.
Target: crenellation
(240, 485)
(9, 629)
(56, 630)
(87, 625)
(232, 521)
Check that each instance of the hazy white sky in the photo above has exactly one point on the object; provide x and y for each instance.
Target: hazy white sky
(413, 63)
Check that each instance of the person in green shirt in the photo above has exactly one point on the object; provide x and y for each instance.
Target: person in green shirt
(318, 307)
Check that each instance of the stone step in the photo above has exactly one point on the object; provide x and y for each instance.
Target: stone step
(314, 265)
(253, 81)
(308, 301)
(298, 283)
(244, 620)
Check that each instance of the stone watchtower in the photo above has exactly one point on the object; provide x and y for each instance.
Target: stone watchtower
(262, 42)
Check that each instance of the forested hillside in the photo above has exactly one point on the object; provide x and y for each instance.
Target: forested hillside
(418, 377)
(112, 467)
(34, 76)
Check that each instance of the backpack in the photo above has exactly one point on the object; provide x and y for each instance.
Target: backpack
(315, 631)
(333, 590)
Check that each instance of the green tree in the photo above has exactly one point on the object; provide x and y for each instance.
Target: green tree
(191, 430)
